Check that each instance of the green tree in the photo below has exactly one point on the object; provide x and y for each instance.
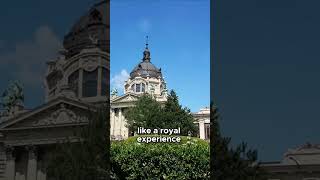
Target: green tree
(229, 163)
(178, 116)
(88, 158)
(146, 113)
(149, 113)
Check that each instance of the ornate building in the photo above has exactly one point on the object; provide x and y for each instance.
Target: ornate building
(144, 78)
(76, 82)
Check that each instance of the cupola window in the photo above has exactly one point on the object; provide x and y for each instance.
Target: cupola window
(141, 87)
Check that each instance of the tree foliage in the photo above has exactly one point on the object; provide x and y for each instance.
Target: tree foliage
(228, 163)
(149, 113)
(186, 160)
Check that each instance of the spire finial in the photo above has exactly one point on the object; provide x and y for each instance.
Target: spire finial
(146, 52)
(147, 38)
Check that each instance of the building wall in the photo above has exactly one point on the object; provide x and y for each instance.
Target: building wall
(118, 128)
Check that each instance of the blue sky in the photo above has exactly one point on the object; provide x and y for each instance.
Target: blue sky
(179, 41)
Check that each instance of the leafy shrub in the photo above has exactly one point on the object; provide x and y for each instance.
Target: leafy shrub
(188, 159)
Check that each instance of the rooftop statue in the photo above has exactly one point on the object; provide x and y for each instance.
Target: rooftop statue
(13, 96)
(114, 92)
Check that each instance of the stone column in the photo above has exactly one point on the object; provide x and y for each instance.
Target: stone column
(10, 163)
(201, 129)
(120, 121)
(32, 162)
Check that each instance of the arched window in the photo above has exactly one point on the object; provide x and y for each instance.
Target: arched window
(90, 82)
(132, 87)
(73, 82)
(104, 81)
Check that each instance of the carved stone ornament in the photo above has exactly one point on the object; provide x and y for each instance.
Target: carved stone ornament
(94, 40)
(61, 116)
(90, 64)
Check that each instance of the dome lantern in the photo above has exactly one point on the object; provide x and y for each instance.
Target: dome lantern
(146, 52)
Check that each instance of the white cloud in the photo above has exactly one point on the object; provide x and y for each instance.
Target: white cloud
(27, 61)
(144, 25)
(118, 80)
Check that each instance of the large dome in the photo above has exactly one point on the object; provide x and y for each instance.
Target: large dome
(146, 68)
(91, 29)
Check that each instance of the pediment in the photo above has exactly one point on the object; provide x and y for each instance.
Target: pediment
(59, 113)
(125, 98)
